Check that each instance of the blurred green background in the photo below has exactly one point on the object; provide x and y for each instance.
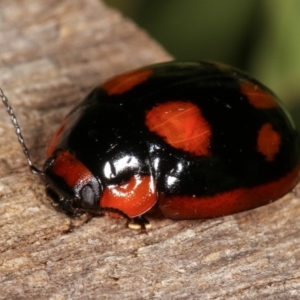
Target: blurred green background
(261, 37)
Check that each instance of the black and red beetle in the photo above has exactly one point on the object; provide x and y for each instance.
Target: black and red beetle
(197, 139)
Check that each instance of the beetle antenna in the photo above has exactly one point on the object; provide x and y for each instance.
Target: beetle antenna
(14, 121)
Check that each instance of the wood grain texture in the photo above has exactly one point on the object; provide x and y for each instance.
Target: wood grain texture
(51, 54)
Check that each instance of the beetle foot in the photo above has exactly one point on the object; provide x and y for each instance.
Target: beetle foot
(139, 223)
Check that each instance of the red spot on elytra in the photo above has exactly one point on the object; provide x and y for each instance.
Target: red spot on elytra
(134, 197)
(229, 202)
(181, 125)
(268, 142)
(125, 82)
(257, 97)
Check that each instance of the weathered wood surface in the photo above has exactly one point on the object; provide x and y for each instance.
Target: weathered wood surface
(51, 54)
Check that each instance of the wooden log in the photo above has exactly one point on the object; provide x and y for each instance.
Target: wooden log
(51, 54)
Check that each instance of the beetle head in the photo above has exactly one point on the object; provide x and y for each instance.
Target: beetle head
(71, 186)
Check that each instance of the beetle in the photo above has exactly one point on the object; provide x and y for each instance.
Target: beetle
(196, 139)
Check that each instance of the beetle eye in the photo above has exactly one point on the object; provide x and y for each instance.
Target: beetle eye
(88, 197)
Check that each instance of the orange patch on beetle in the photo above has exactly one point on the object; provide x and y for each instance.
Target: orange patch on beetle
(181, 125)
(71, 169)
(257, 97)
(125, 82)
(134, 197)
(268, 142)
(229, 202)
